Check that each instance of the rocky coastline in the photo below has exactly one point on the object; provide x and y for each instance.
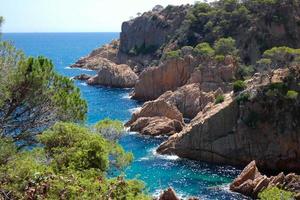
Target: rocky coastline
(209, 109)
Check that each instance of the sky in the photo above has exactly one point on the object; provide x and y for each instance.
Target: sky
(73, 15)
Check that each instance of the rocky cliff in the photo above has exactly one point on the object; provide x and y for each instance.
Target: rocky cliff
(260, 124)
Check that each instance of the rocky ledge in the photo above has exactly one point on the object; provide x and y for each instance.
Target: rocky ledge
(156, 118)
(251, 182)
(113, 75)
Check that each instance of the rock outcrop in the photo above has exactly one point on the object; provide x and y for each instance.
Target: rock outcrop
(156, 118)
(172, 74)
(212, 75)
(251, 182)
(99, 57)
(189, 99)
(113, 75)
(83, 77)
(247, 127)
(155, 126)
(142, 37)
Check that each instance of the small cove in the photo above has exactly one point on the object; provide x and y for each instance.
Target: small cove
(188, 178)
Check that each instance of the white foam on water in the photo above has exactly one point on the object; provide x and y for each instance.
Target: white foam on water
(126, 96)
(165, 157)
(81, 69)
(132, 110)
(84, 84)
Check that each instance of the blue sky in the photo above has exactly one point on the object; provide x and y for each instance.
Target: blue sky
(73, 15)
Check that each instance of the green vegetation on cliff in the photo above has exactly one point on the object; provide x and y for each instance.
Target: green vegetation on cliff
(255, 25)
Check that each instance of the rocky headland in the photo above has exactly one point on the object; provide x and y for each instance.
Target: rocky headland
(224, 93)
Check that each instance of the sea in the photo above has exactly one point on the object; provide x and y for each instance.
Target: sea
(187, 177)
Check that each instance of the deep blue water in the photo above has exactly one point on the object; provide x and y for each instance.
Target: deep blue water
(188, 178)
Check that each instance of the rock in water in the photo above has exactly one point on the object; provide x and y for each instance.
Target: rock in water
(156, 118)
(189, 99)
(82, 77)
(114, 75)
(168, 194)
(155, 126)
(99, 57)
(251, 182)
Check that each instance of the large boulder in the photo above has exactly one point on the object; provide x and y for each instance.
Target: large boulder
(189, 99)
(251, 182)
(155, 126)
(170, 75)
(156, 118)
(113, 75)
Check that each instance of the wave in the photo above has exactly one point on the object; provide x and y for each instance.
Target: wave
(84, 84)
(152, 154)
(126, 96)
(81, 69)
(132, 110)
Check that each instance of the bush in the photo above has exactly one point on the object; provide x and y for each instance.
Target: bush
(225, 46)
(219, 99)
(245, 71)
(172, 54)
(70, 164)
(220, 58)
(204, 49)
(275, 193)
(243, 97)
(239, 85)
(291, 94)
(279, 57)
(110, 129)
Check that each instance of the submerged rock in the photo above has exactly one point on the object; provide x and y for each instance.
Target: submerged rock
(251, 182)
(113, 75)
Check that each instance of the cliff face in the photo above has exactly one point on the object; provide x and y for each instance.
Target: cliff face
(154, 81)
(263, 128)
(143, 36)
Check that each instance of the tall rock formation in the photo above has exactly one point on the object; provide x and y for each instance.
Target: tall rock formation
(261, 124)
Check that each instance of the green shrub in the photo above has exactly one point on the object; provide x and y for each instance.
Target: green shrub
(239, 85)
(243, 97)
(245, 72)
(219, 99)
(275, 193)
(173, 54)
(70, 164)
(110, 129)
(225, 46)
(291, 94)
(219, 58)
(204, 49)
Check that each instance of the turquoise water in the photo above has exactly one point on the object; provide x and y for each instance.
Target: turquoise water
(189, 178)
